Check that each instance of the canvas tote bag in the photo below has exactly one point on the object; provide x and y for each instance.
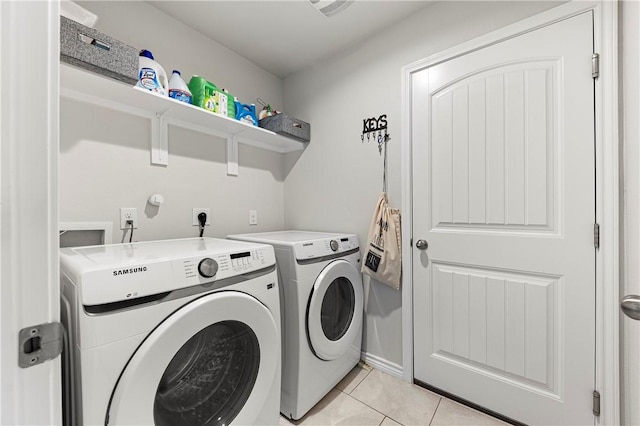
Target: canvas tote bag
(383, 257)
(383, 260)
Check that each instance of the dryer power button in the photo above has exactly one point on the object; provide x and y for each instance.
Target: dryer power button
(207, 267)
(334, 245)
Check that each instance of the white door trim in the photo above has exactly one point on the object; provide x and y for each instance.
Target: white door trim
(29, 279)
(607, 205)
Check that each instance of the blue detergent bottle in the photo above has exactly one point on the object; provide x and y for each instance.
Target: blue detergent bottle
(246, 113)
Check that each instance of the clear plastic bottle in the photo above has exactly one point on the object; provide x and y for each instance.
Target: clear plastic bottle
(178, 89)
(151, 75)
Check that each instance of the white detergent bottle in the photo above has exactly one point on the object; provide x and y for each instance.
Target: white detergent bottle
(151, 75)
(178, 89)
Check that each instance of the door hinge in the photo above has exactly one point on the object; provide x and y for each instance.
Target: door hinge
(40, 343)
(596, 403)
(596, 235)
(595, 65)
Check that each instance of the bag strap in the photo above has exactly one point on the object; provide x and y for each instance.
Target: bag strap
(384, 167)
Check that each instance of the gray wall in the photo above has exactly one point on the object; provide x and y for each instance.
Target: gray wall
(335, 183)
(105, 159)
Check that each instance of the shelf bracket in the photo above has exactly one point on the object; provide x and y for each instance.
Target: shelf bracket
(232, 155)
(159, 140)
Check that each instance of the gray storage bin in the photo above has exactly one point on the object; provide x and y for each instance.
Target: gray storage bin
(90, 49)
(286, 125)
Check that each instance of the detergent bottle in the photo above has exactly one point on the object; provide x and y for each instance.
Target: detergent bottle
(246, 113)
(178, 88)
(151, 75)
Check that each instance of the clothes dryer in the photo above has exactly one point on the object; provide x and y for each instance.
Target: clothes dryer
(172, 332)
(322, 305)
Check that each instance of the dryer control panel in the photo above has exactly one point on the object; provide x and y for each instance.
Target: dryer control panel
(326, 246)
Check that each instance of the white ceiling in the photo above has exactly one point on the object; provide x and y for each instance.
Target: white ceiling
(285, 36)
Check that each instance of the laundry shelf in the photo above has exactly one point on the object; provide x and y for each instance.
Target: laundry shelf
(93, 88)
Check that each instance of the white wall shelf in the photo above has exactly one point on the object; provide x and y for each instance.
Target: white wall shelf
(95, 89)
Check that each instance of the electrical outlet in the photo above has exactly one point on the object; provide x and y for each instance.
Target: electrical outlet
(253, 217)
(130, 213)
(197, 211)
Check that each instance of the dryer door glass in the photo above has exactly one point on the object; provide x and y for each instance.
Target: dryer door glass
(337, 309)
(334, 311)
(210, 378)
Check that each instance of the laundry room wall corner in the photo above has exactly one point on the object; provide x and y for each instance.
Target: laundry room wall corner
(336, 96)
(105, 159)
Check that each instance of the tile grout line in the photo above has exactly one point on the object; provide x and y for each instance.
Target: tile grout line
(377, 411)
(440, 398)
(360, 382)
(435, 411)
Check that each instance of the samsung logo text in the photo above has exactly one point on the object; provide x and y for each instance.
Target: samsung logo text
(129, 271)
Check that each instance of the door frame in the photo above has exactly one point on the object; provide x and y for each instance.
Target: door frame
(607, 372)
(29, 279)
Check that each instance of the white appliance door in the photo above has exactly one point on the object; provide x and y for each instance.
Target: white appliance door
(334, 315)
(504, 194)
(211, 362)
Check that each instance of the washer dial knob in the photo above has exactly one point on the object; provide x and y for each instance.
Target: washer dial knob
(334, 245)
(207, 267)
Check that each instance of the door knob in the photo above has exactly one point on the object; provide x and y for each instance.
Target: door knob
(422, 245)
(630, 305)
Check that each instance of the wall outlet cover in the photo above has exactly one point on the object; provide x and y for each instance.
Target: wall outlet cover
(196, 212)
(253, 217)
(128, 213)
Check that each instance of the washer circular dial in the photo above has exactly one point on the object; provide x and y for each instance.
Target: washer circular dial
(207, 267)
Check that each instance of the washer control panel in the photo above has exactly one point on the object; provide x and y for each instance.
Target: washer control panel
(217, 267)
(117, 272)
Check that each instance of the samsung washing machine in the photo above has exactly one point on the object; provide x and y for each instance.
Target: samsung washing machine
(172, 332)
(322, 304)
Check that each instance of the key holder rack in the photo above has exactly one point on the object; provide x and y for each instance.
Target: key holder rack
(376, 127)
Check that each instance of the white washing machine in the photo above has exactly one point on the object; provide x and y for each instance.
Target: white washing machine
(176, 332)
(322, 303)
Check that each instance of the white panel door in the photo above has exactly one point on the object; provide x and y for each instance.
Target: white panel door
(504, 194)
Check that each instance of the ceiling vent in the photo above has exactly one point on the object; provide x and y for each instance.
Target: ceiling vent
(330, 7)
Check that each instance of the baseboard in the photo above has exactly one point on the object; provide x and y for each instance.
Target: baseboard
(382, 364)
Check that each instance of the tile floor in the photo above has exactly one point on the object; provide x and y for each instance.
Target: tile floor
(369, 397)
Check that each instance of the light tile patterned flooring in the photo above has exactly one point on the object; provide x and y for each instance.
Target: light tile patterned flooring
(369, 397)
